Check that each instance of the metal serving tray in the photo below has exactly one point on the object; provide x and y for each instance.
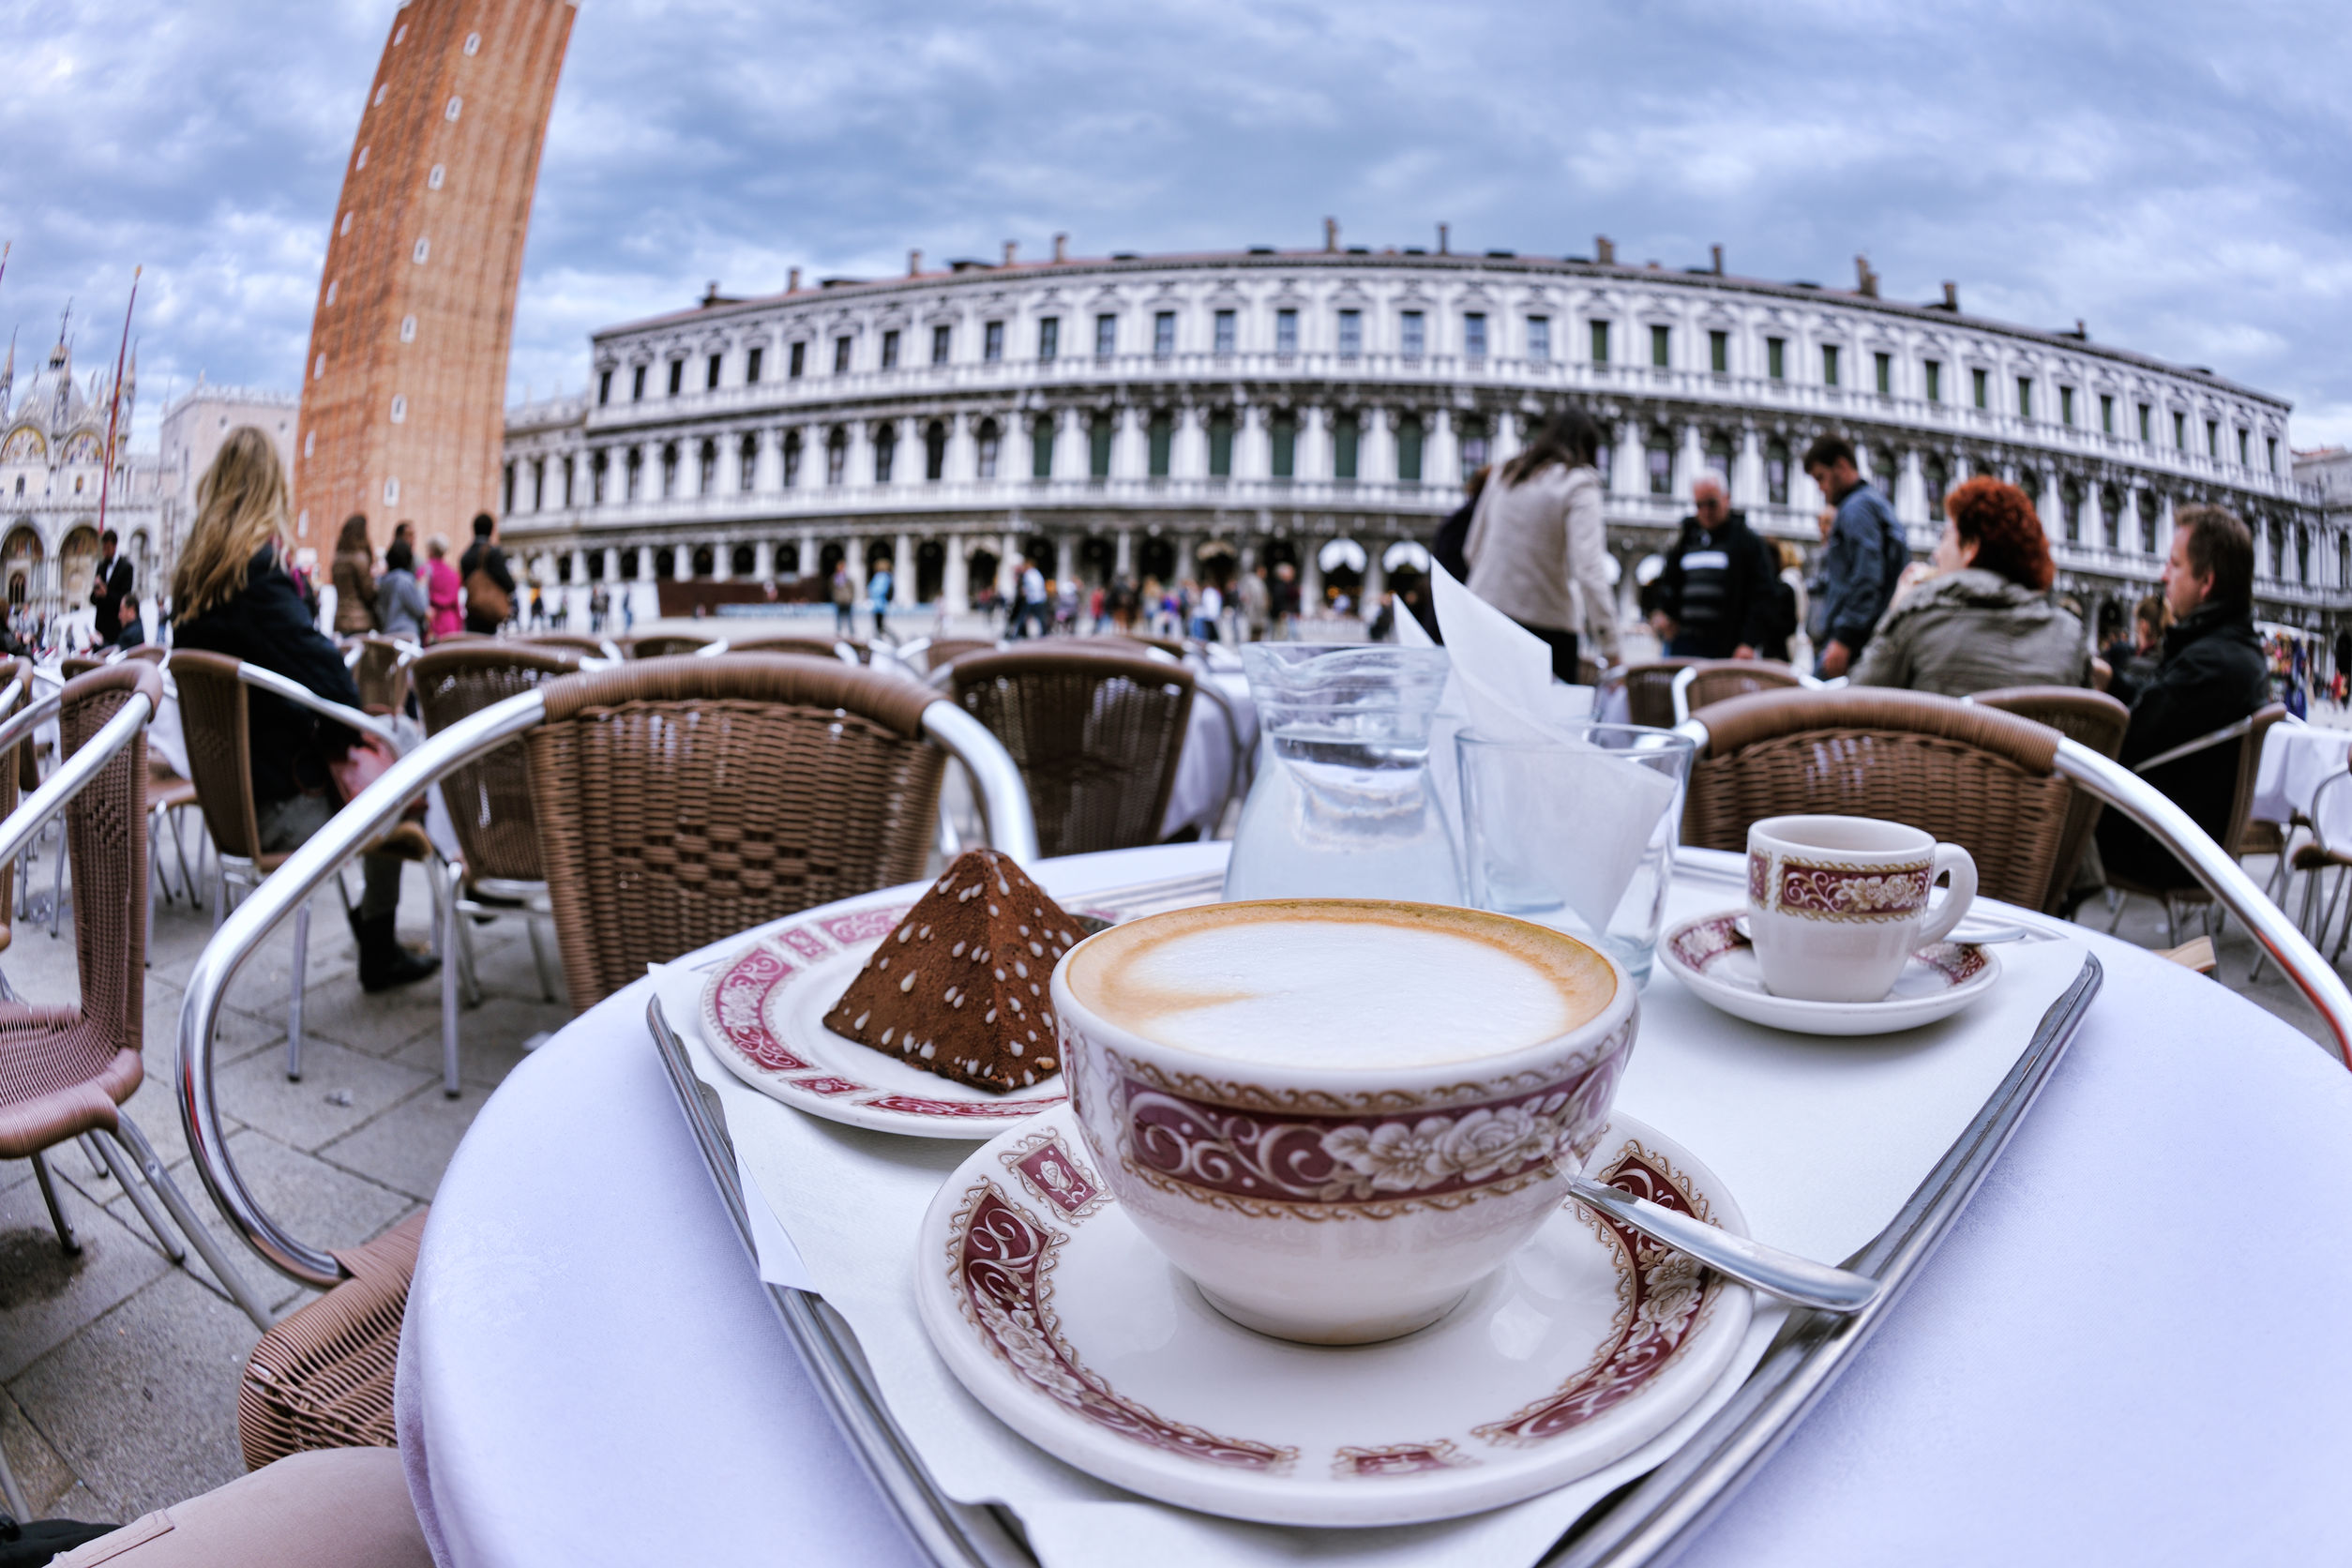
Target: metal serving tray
(1644, 1522)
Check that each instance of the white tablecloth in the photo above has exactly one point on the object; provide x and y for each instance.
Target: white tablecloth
(2295, 759)
(1204, 769)
(2124, 1353)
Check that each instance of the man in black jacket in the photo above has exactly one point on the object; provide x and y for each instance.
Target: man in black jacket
(483, 555)
(1715, 597)
(2212, 675)
(108, 587)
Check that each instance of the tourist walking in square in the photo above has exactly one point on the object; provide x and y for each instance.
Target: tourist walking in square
(1537, 540)
(1865, 552)
(1718, 597)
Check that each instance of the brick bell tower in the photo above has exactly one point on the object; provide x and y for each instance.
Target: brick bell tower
(403, 395)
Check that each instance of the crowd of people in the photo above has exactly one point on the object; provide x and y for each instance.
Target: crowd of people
(1221, 606)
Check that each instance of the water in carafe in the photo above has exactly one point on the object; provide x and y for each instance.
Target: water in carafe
(1342, 806)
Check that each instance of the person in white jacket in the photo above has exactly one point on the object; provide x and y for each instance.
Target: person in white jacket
(1538, 539)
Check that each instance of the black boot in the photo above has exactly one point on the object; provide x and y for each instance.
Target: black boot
(383, 963)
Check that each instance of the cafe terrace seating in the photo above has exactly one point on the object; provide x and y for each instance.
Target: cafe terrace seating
(2237, 839)
(2095, 719)
(1649, 689)
(1703, 685)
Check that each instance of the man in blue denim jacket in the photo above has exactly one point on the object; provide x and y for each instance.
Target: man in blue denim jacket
(1865, 552)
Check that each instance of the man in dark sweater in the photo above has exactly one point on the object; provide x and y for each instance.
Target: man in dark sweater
(1864, 553)
(2212, 675)
(1715, 596)
(486, 609)
(108, 585)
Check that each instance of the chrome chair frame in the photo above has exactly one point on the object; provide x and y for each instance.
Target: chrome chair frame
(1005, 803)
(1687, 676)
(128, 1152)
(2275, 934)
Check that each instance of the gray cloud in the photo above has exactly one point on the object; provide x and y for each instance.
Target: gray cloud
(2169, 174)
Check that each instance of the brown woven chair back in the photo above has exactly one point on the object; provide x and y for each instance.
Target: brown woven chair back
(666, 646)
(945, 651)
(1972, 774)
(382, 684)
(1718, 680)
(1650, 690)
(12, 785)
(154, 653)
(817, 647)
(79, 663)
(578, 642)
(489, 799)
(1097, 735)
(321, 1377)
(682, 800)
(213, 717)
(2092, 719)
(2249, 764)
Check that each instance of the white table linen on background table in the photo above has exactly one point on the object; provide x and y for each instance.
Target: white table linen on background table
(2124, 1353)
(2295, 759)
(1204, 769)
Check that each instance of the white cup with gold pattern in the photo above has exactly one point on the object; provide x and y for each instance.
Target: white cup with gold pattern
(1837, 904)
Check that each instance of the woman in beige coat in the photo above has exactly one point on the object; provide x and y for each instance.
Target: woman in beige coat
(354, 574)
(1538, 539)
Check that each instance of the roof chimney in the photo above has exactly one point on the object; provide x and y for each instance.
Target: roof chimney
(710, 297)
(914, 262)
(1605, 249)
(1061, 248)
(1445, 240)
(791, 283)
(1011, 249)
(1717, 252)
(1952, 296)
(1330, 234)
(1866, 281)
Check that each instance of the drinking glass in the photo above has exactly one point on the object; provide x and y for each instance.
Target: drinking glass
(1342, 806)
(1576, 832)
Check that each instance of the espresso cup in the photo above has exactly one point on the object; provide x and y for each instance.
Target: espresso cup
(1337, 1116)
(1837, 904)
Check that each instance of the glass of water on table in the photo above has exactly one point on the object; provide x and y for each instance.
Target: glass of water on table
(1576, 829)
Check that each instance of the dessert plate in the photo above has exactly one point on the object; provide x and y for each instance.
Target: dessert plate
(1052, 1309)
(1711, 957)
(764, 1011)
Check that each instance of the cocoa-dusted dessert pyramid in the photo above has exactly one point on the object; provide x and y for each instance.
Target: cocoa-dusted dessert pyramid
(959, 987)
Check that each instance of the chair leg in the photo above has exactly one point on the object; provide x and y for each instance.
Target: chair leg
(179, 853)
(2115, 911)
(294, 999)
(184, 1217)
(57, 886)
(90, 1152)
(473, 982)
(140, 1200)
(538, 957)
(445, 899)
(56, 1214)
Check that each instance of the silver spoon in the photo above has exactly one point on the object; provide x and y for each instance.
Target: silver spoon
(1769, 1270)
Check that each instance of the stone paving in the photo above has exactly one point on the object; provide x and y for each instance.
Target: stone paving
(118, 1371)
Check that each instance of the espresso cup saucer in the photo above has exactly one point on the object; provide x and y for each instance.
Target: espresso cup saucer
(1051, 1309)
(1719, 966)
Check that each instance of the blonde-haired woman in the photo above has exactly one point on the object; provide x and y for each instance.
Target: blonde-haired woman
(231, 594)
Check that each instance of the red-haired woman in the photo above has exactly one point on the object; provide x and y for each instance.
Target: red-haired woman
(1987, 618)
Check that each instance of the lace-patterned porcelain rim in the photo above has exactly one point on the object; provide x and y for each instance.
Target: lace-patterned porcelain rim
(1717, 965)
(1380, 1448)
(762, 1012)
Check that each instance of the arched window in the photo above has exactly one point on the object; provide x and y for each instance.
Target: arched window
(743, 561)
(1939, 481)
(1659, 454)
(935, 450)
(1099, 429)
(2111, 515)
(708, 482)
(1284, 429)
(1408, 439)
(2278, 548)
(747, 463)
(885, 451)
(670, 469)
(1475, 447)
(630, 564)
(564, 566)
(1221, 443)
(837, 456)
(598, 468)
(1041, 445)
(1162, 443)
(636, 476)
(792, 458)
(1776, 471)
(2343, 560)
(788, 559)
(991, 439)
(2303, 553)
(2147, 509)
(705, 560)
(2071, 509)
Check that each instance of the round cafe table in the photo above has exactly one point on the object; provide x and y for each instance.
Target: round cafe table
(2125, 1351)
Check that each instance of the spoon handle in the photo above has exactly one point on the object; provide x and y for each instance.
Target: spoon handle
(1767, 1268)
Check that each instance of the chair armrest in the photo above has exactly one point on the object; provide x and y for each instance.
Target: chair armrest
(283, 891)
(1003, 794)
(2126, 792)
(302, 696)
(73, 774)
(1683, 679)
(2222, 737)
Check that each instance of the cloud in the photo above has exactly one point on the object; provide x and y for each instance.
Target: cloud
(2174, 184)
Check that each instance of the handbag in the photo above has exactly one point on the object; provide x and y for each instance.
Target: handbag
(369, 758)
(484, 596)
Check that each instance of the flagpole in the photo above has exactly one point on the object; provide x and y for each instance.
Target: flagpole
(114, 408)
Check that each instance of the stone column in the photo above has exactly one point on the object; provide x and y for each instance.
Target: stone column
(1008, 569)
(764, 559)
(1442, 453)
(1071, 460)
(902, 572)
(2095, 516)
(1311, 575)
(963, 454)
(1747, 472)
(767, 470)
(611, 565)
(1504, 443)
(1910, 491)
(1632, 476)
(1188, 445)
(1376, 445)
(809, 545)
(1130, 443)
(579, 568)
(1066, 557)
(1311, 458)
(858, 467)
(1690, 458)
(648, 475)
(956, 589)
(853, 559)
(1375, 576)
(1122, 565)
(2051, 504)
(1253, 443)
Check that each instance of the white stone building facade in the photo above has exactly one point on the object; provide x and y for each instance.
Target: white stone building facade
(1127, 412)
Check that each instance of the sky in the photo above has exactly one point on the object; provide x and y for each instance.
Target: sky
(2173, 175)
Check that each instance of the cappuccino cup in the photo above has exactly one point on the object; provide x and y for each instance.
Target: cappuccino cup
(1836, 905)
(1335, 1116)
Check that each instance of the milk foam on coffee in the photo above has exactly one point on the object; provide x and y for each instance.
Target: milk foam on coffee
(1392, 987)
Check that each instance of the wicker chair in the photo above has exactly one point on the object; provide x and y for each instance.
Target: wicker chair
(938, 652)
(497, 872)
(573, 642)
(1703, 685)
(381, 672)
(168, 797)
(215, 718)
(1097, 737)
(1968, 774)
(2095, 719)
(1650, 690)
(321, 1376)
(669, 645)
(2237, 838)
(680, 800)
(861, 650)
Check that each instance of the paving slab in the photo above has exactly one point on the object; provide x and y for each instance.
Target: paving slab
(341, 1090)
(143, 1403)
(408, 1147)
(45, 1296)
(490, 1038)
(48, 1481)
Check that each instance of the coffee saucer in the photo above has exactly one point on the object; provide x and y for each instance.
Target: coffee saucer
(1052, 1309)
(1711, 957)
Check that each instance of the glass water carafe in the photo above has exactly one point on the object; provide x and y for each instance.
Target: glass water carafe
(1342, 806)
